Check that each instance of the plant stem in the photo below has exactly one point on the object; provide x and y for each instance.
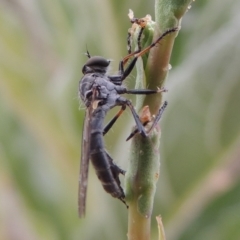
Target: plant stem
(143, 171)
(135, 223)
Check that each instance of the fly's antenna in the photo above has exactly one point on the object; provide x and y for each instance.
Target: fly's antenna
(87, 53)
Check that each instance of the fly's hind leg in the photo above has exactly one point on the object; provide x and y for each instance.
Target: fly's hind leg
(125, 102)
(155, 122)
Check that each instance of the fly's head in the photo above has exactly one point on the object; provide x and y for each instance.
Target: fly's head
(96, 64)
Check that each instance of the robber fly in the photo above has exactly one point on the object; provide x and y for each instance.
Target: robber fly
(101, 92)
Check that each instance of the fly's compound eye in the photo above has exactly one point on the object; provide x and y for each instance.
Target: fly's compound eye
(98, 61)
(84, 69)
(96, 64)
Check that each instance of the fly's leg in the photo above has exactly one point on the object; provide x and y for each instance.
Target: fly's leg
(129, 41)
(158, 116)
(123, 90)
(136, 22)
(155, 122)
(132, 134)
(142, 22)
(133, 91)
(171, 30)
(125, 102)
(145, 91)
(139, 39)
(137, 54)
(110, 124)
(116, 171)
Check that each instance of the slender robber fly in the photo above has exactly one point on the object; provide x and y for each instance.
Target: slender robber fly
(101, 92)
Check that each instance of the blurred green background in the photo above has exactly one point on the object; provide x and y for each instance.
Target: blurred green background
(42, 45)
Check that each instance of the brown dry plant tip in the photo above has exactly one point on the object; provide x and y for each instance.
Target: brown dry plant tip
(142, 22)
(145, 115)
(146, 118)
(136, 24)
(140, 53)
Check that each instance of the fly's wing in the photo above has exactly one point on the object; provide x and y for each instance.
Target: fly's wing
(85, 156)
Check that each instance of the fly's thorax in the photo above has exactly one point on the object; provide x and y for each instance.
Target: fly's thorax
(86, 85)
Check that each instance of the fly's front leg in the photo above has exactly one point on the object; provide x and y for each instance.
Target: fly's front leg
(138, 53)
(171, 30)
(128, 70)
(122, 72)
(129, 40)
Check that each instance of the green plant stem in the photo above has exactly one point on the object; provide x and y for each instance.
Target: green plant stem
(143, 171)
(141, 186)
(168, 14)
(136, 222)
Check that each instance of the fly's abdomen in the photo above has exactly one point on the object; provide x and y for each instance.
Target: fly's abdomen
(106, 170)
(105, 174)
